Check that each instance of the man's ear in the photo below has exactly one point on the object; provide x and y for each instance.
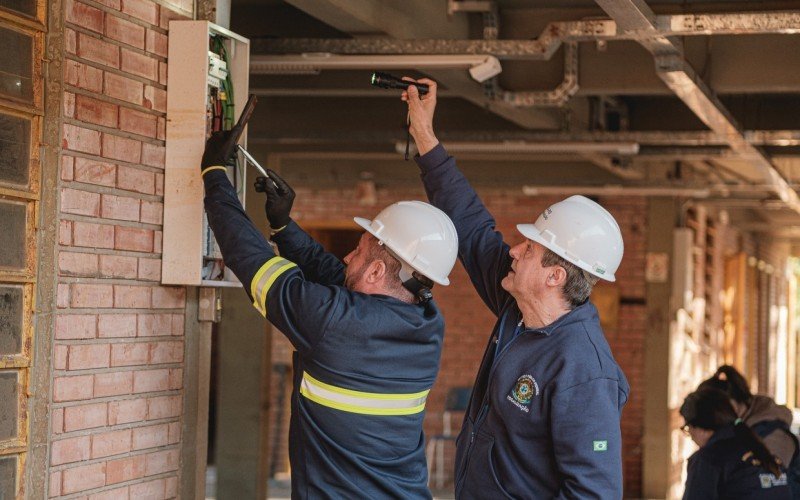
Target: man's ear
(376, 271)
(557, 276)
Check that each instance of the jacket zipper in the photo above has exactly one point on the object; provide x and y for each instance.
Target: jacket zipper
(484, 409)
(478, 418)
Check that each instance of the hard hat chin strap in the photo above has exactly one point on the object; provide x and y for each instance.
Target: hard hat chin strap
(417, 284)
(413, 281)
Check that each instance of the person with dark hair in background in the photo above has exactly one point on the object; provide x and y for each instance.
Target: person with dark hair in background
(732, 461)
(768, 419)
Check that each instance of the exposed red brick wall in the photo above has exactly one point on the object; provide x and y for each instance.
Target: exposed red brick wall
(469, 323)
(118, 352)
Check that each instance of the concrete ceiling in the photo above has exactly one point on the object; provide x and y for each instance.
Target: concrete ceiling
(710, 101)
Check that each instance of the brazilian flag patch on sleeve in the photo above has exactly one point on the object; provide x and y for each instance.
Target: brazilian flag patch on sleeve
(600, 445)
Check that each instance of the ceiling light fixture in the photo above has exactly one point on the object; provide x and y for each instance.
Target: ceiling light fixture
(481, 67)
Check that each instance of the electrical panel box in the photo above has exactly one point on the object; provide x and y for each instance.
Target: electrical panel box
(207, 89)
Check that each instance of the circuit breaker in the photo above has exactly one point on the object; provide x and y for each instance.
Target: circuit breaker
(207, 87)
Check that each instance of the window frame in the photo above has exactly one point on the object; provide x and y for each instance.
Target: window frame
(29, 195)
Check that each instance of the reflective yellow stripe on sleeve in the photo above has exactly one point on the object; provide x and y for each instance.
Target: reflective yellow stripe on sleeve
(365, 403)
(264, 279)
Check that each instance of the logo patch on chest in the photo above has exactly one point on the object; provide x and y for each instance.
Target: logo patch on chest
(523, 392)
(770, 481)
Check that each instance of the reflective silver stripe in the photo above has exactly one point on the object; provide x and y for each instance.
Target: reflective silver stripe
(263, 280)
(365, 403)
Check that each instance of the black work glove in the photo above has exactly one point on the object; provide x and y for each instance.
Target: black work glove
(220, 150)
(280, 197)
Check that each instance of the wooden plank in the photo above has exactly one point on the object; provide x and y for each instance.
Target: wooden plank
(185, 135)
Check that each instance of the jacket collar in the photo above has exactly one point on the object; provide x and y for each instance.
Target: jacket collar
(721, 434)
(583, 312)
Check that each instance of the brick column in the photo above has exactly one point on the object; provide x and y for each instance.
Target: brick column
(118, 353)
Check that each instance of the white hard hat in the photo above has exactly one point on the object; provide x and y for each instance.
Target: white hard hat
(420, 235)
(582, 232)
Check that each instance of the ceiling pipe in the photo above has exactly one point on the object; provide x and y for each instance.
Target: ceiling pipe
(614, 148)
(720, 192)
(612, 190)
(776, 138)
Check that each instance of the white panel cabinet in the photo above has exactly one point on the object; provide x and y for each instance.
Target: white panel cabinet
(189, 252)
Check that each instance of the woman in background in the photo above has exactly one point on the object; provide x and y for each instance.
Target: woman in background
(769, 420)
(732, 462)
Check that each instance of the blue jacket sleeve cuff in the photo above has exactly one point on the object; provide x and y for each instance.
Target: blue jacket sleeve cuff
(213, 177)
(432, 158)
(286, 233)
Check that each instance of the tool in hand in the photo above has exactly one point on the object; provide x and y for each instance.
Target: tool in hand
(236, 133)
(387, 81)
(252, 161)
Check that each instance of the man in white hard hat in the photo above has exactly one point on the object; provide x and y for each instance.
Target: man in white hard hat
(367, 335)
(544, 415)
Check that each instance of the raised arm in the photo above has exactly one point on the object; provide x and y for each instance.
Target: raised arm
(481, 248)
(300, 309)
(295, 244)
(317, 265)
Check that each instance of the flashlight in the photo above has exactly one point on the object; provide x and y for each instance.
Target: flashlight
(387, 81)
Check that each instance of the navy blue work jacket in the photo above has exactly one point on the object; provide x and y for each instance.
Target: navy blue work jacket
(544, 418)
(717, 471)
(363, 364)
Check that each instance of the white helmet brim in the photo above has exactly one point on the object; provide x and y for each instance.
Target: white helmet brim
(531, 232)
(398, 252)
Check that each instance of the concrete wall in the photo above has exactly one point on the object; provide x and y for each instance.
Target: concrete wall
(118, 355)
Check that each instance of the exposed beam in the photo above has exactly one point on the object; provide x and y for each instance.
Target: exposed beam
(609, 165)
(742, 64)
(783, 232)
(541, 48)
(467, 88)
(736, 23)
(414, 18)
(545, 45)
(422, 19)
(635, 16)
